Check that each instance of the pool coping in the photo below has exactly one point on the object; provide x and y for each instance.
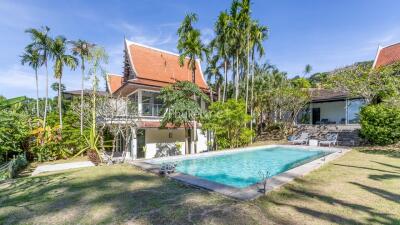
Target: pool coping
(252, 191)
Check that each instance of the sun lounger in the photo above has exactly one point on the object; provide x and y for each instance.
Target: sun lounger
(302, 139)
(331, 139)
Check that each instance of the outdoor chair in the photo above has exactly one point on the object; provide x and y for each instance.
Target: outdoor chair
(331, 139)
(301, 139)
(167, 168)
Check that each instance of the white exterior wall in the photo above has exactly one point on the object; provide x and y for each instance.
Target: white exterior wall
(333, 111)
(201, 141)
(155, 136)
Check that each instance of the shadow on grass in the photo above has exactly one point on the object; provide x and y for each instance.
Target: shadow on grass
(392, 152)
(366, 168)
(301, 195)
(136, 197)
(382, 193)
(388, 165)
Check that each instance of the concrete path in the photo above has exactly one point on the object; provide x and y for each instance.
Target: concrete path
(61, 166)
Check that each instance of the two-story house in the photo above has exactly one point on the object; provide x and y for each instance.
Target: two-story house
(146, 71)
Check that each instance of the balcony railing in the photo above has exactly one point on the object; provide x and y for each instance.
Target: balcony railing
(149, 109)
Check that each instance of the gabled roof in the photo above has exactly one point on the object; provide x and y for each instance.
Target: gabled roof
(152, 64)
(114, 82)
(387, 55)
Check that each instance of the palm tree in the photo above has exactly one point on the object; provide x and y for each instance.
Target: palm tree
(81, 49)
(35, 60)
(221, 43)
(307, 69)
(61, 59)
(42, 43)
(191, 48)
(235, 39)
(258, 34)
(213, 70)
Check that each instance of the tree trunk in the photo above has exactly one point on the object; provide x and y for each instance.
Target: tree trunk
(248, 72)
(219, 92)
(237, 77)
(194, 150)
(226, 80)
(37, 93)
(59, 102)
(47, 96)
(251, 98)
(82, 87)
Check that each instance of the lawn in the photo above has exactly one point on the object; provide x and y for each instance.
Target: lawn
(361, 187)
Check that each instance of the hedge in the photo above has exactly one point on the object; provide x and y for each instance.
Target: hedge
(380, 124)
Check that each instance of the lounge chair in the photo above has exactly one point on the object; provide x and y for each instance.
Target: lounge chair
(167, 168)
(302, 139)
(331, 139)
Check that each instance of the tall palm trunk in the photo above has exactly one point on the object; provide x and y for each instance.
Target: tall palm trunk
(219, 92)
(248, 72)
(82, 86)
(47, 96)
(194, 149)
(59, 102)
(251, 97)
(37, 93)
(237, 76)
(226, 80)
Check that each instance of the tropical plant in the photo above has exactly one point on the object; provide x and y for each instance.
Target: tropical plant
(307, 69)
(380, 124)
(33, 58)
(59, 50)
(179, 106)
(213, 71)
(227, 121)
(42, 43)
(221, 44)
(14, 128)
(98, 59)
(82, 49)
(55, 88)
(190, 49)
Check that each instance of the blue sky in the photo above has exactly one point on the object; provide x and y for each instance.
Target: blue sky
(325, 34)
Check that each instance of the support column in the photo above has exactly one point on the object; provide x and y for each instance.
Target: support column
(347, 111)
(140, 107)
(133, 144)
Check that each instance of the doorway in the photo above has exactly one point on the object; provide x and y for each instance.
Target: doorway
(141, 143)
(316, 115)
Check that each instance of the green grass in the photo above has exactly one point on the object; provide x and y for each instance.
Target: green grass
(361, 187)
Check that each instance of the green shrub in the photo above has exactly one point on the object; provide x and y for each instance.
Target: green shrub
(228, 122)
(380, 124)
(11, 169)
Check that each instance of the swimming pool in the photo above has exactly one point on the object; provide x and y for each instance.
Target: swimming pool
(242, 169)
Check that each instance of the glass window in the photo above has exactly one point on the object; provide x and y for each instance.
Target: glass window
(353, 110)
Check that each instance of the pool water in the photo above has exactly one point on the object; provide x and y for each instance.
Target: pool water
(242, 169)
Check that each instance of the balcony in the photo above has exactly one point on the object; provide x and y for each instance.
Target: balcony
(150, 109)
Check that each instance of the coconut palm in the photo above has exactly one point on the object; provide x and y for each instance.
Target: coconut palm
(61, 57)
(81, 49)
(42, 43)
(33, 58)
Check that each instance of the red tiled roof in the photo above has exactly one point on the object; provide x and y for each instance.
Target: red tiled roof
(387, 55)
(161, 67)
(114, 82)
